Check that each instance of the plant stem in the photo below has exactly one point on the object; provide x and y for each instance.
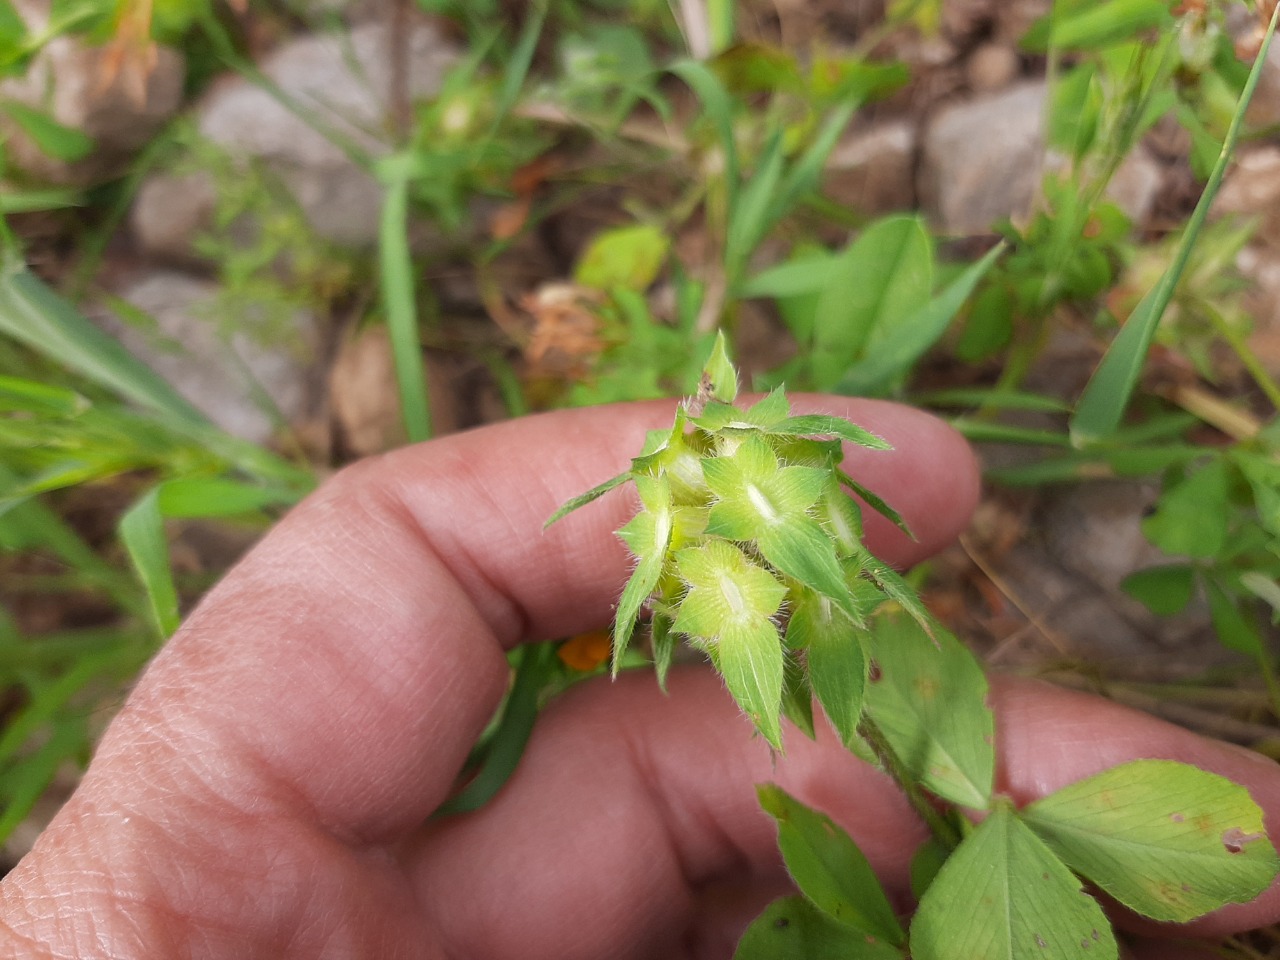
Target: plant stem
(941, 827)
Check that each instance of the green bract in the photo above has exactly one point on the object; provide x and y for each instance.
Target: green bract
(746, 541)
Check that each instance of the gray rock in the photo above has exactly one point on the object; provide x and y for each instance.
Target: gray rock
(169, 211)
(345, 83)
(1137, 184)
(982, 159)
(223, 376)
(871, 170)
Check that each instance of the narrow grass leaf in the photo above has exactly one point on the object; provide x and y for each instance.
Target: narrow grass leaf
(794, 929)
(991, 399)
(805, 174)
(884, 275)
(719, 108)
(1107, 394)
(535, 667)
(218, 497)
(828, 867)
(34, 315)
(1166, 839)
(40, 399)
(31, 201)
(1093, 26)
(52, 138)
(517, 66)
(24, 783)
(142, 533)
(400, 303)
(751, 217)
(910, 336)
(986, 431)
(928, 696)
(1003, 895)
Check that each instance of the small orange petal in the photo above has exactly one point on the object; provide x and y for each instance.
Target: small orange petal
(586, 651)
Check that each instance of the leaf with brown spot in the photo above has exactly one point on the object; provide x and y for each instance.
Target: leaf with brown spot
(1117, 829)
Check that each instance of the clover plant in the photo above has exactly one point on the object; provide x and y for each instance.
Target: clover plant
(748, 545)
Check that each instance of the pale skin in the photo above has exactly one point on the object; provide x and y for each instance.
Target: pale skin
(264, 794)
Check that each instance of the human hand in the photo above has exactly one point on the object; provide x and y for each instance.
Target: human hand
(264, 793)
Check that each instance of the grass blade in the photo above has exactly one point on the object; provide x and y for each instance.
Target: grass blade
(400, 304)
(1103, 402)
(37, 317)
(719, 107)
(142, 532)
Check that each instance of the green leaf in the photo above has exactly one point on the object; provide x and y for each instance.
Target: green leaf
(883, 276)
(1105, 397)
(726, 589)
(143, 536)
(1165, 590)
(1002, 895)
(749, 655)
(876, 503)
(807, 272)
(535, 664)
(1191, 518)
(718, 105)
(399, 297)
(648, 536)
(802, 550)
(1093, 26)
(1234, 628)
(1166, 839)
(930, 702)
(797, 695)
(595, 493)
(906, 337)
(829, 868)
(794, 929)
(751, 215)
(664, 646)
(811, 425)
(34, 315)
(40, 399)
(832, 644)
(52, 138)
(1264, 588)
(218, 497)
(719, 372)
(626, 257)
(730, 606)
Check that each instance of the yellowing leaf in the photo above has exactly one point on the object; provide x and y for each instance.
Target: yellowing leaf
(626, 257)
